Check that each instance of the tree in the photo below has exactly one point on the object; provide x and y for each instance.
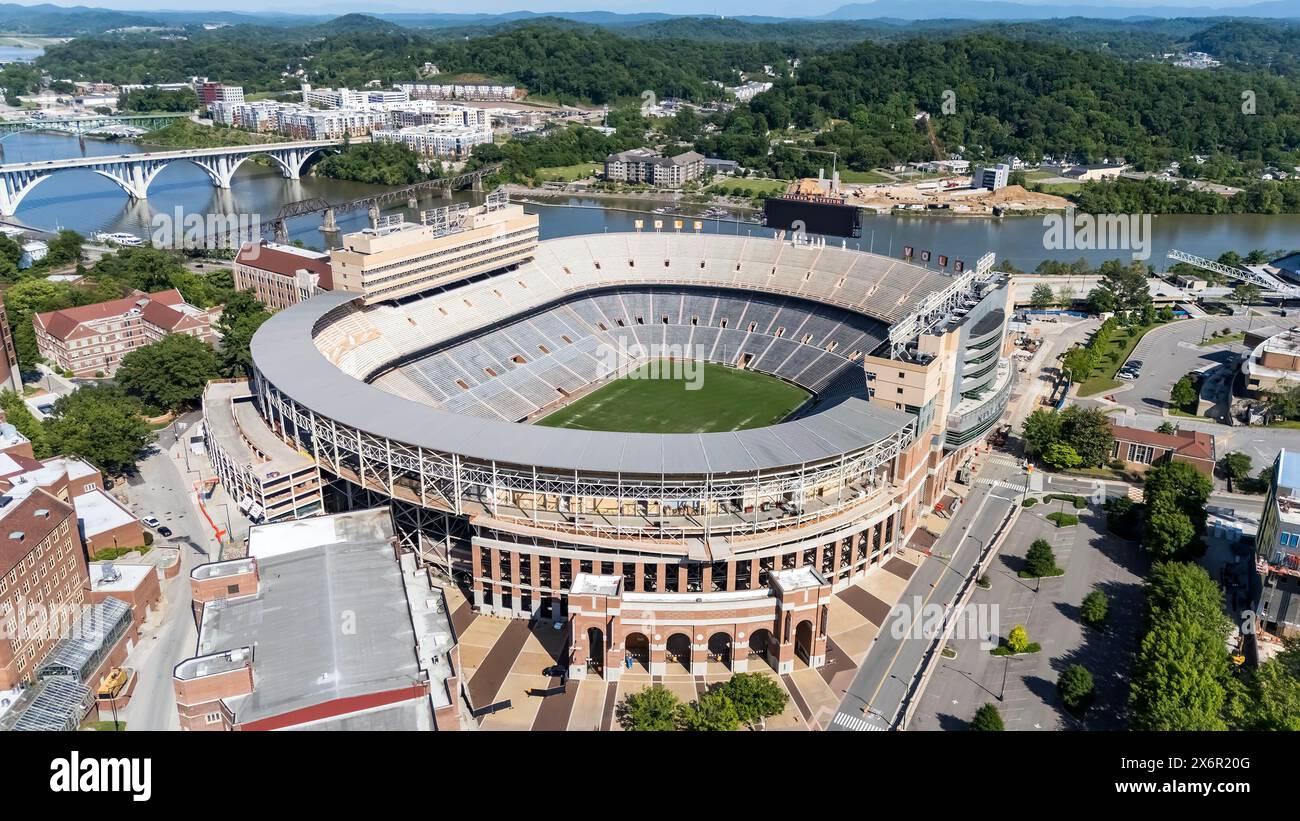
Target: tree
(20, 416)
(1236, 466)
(1088, 431)
(237, 339)
(755, 696)
(170, 374)
(1183, 395)
(102, 425)
(1246, 293)
(1041, 296)
(1094, 608)
(987, 719)
(1060, 456)
(1076, 687)
(1181, 678)
(1078, 362)
(1018, 639)
(63, 249)
(655, 708)
(1040, 560)
(711, 712)
(1041, 429)
(1275, 691)
(1166, 428)
(1169, 531)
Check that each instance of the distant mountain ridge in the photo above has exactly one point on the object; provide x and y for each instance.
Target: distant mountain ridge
(1005, 10)
(78, 20)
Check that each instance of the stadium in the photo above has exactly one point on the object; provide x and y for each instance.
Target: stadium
(676, 445)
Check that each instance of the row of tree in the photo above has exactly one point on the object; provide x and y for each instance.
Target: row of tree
(744, 699)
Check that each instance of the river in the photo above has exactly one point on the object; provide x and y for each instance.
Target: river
(86, 202)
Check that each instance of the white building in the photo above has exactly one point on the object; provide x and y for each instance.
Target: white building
(437, 140)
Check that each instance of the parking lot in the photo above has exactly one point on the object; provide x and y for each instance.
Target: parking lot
(1024, 687)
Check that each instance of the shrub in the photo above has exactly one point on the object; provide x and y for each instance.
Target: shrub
(987, 718)
(1029, 502)
(1076, 687)
(1063, 519)
(1018, 639)
(1040, 560)
(1094, 608)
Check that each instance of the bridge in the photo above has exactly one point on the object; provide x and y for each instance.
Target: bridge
(1254, 274)
(133, 173)
(88, 124)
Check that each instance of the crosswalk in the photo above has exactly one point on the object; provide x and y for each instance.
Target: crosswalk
(1002, 483)
(858, 724)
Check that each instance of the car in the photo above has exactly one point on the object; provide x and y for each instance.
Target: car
(1126, 375)
(556, 671)
(164, 531)
(151, 521)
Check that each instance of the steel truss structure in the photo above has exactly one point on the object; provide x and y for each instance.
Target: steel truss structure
(619, 506)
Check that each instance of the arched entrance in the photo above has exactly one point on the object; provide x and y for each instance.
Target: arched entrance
(679, 651)
(760, 646)
(596, 650)
(637, 648)
(720, 649)
(803, 641)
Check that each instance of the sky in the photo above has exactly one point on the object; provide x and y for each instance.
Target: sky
(776, 8)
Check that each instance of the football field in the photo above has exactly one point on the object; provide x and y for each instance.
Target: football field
(726, 399)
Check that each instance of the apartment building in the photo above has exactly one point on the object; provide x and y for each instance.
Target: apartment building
(281, 275)
(437, 140)
(91, 340)
(457, 91)
(643, 166)
(397, 260)
(210, 93)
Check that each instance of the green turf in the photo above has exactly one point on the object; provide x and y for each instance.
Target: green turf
(727, 399)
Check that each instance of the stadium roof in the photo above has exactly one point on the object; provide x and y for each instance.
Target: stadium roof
(286, 356)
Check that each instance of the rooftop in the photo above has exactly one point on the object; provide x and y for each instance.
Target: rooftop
(232, 419)
(316, 575)
(1193, 444)
(99, 513)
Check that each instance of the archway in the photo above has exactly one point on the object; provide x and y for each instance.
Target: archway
(803, 641)
(760, 646)
(637, 648)
(596, 650)
(679, 650)
(720, 649)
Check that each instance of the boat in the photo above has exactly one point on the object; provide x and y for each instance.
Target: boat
(118, 238)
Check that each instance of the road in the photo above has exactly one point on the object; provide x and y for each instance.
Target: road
(890, 666)
(162, 490)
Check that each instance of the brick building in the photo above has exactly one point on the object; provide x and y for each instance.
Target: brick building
(92, 339)
(281, 275)
(43, 573)
(10, 377)
(1146, 447)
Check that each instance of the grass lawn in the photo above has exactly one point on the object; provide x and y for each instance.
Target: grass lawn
(1060, 189)
(867, 177)
(104, 726)
(1222, 339)
(752, 187)
(728, 399)
(568, 173)
(1102, 377)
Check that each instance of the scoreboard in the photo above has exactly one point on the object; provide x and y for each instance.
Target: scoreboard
(813, 216)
